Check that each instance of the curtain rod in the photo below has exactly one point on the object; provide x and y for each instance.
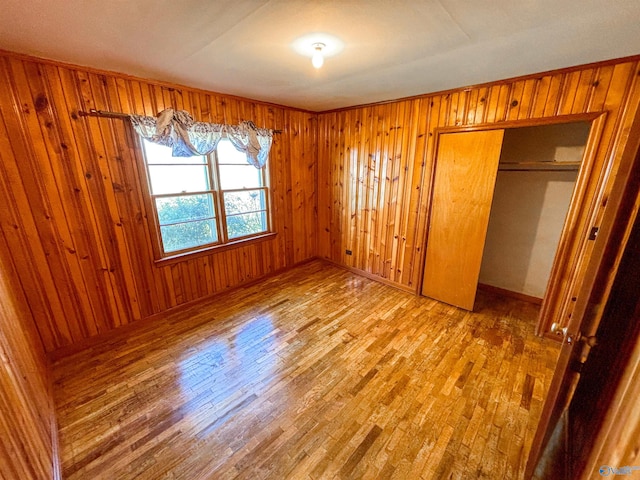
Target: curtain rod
(103, 113)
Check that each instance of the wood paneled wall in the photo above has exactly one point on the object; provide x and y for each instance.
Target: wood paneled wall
(357, 179)
(28, 436)
(73, 212)
(376, 162)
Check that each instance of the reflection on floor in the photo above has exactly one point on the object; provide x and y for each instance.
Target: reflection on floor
(315, 373)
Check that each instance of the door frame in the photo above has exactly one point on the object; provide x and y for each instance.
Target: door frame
(600, 274)
(573, 252)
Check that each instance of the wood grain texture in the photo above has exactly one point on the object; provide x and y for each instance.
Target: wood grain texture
(76, 221)
(603, 428)
(588, 316)
(375, 148)
(74, 214)
(28, 434)
(465, 175)
(315, 373)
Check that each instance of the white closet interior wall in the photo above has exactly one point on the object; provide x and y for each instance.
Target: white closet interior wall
(530, 206)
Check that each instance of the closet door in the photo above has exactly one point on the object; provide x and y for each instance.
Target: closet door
(465, 175)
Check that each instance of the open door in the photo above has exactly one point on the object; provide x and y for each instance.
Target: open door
(465, 176)
(579, 411)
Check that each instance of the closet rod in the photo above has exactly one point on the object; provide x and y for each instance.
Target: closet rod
(549, 166)
(529, 169)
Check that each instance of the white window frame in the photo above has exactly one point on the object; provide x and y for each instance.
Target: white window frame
(220, 215)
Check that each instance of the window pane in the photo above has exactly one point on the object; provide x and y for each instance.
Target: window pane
(178, 178)
(155, 153)
(188, 235)
(240, 176)
(181, 209)
(227, 153)
(240, 202)
(246, 224)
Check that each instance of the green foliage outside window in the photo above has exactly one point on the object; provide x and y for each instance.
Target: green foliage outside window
(245, 213)
(188, 220)
(246, 224)
(187, 235)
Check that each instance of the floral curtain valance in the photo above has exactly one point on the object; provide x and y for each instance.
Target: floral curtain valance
(176, 129)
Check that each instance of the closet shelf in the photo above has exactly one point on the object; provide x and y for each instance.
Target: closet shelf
(526, 166)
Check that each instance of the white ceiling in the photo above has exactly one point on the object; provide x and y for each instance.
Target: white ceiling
(390, 48)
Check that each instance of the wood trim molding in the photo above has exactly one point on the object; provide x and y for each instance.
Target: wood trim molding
(557, 300)
(509, 293)
(573, 248)
(528, 122)
(603, 266)
(375, 169)
(215, 248)
(371, 276)
(89, 267)
(159, 83)
(162, 83)
(55, 443)
(505, 81)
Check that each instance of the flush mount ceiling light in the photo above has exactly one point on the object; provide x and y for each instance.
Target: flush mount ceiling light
(317, 46)
(317, 60)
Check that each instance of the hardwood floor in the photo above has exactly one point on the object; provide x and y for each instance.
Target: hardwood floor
(315, 373)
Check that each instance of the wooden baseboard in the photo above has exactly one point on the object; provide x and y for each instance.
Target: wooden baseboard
(509, 293)
(85, 343)
(91, 341)
(371, 276)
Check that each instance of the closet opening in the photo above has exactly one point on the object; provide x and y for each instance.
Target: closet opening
(536, 178)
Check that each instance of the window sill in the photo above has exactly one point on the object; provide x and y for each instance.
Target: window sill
(181, 257)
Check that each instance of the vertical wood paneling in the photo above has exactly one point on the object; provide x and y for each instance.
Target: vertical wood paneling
(324, 195)
(583, 91)
(621, 104)
(527, 98)
(75, 216)
(301, 153)
(361, 159)
(391, 246)
(368, 184)
(358, 179)
(419, 138)
(569, 92)
(515, 100)
(539, 102)
(600, 88)
(28, 437)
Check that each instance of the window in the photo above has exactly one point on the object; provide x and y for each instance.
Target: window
(207, 200)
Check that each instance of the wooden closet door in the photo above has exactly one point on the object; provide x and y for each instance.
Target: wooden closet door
(465, 175)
